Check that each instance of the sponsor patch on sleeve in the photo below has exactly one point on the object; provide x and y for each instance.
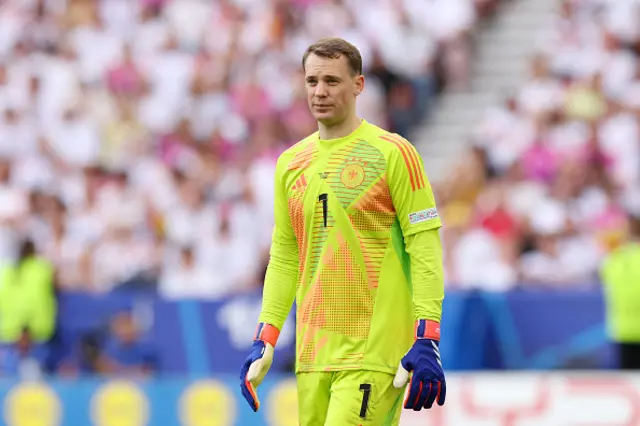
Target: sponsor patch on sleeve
(423, 215)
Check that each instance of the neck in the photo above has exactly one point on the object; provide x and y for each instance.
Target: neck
(339, 130)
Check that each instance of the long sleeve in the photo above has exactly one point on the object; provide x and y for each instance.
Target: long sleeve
(427, 276)
(280, 284)
(282, 272)
(415, 205)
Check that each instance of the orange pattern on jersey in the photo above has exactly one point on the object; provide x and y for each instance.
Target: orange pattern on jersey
(311, 344)
(311, 312)
(373, 250)
(348, 303)
(311, 319)
(373, 219)
(371, 222)
(411, 160)
(338, 301)
(377, 199)
(296, 213)
(304, 157)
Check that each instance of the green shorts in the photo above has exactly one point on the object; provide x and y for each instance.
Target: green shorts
(348, 398)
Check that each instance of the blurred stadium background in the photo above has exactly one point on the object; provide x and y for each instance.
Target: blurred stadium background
(138, 140)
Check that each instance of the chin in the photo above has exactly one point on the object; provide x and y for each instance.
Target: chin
(325, 119)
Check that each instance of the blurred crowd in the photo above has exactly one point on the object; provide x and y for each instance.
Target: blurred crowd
(554, 174)
(138, 141)
(138, 138)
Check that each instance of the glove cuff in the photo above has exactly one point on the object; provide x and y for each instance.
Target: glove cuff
(267, 333)
(427, 329)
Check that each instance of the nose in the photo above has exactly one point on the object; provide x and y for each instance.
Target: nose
(321, 90)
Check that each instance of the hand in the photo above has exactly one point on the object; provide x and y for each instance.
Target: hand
(257, 364)
(428, 383)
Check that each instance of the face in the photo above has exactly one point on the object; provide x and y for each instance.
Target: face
(331, 89)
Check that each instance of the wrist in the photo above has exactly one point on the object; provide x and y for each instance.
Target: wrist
(427, 329)
(267, 333)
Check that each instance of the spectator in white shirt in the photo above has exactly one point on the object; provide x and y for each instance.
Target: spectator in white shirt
(480, 263)
(184, 277)
(76, 140)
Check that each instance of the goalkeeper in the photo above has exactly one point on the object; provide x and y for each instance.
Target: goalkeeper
(356, 243)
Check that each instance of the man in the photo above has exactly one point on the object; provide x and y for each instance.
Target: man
(124, 352)
(620, 274)
(27, 297)
(356, 243)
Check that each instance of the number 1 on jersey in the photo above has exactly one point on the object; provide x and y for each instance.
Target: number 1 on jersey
(323, 199)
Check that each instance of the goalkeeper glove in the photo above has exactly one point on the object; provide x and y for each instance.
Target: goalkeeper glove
(423, 359)
(257, 364)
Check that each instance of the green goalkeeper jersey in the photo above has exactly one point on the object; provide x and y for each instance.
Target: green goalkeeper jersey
(344, 209)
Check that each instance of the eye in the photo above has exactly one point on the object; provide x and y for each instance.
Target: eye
(311, 82)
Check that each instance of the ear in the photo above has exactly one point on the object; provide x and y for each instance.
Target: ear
(359, 84)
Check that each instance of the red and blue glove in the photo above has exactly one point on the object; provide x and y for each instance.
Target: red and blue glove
(428, 383)
(257, 364)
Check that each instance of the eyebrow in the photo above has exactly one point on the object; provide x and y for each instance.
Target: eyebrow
(326, 77)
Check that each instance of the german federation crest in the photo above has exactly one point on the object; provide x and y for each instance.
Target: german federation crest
(352, 176)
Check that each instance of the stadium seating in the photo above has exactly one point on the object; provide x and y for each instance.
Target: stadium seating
(138, 138)
(553, 174)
